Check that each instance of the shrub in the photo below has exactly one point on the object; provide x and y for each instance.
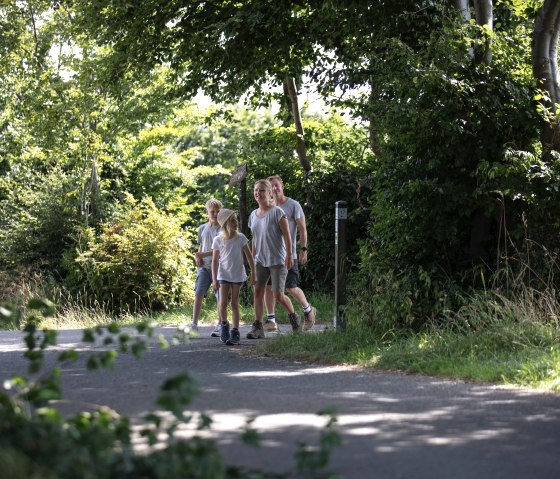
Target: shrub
(450, 175)
(138, 260)
(36, 223)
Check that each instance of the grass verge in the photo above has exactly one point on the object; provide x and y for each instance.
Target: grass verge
(492, 339)
(445, 353)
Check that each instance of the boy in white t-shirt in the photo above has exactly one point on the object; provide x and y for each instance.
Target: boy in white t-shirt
(203, 259)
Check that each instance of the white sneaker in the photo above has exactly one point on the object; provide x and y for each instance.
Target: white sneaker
(270, 326)
(309, 319)
(217, 330)
(193, 329)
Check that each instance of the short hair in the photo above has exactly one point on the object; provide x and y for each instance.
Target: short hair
(276, 177)
(213, 203)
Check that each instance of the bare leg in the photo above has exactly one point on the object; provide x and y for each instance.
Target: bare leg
(269, 300)
(217, 294)
(223, 301)
(284, 301)
(235, 289)
(258, 296)
(197, 306)
(299, 296)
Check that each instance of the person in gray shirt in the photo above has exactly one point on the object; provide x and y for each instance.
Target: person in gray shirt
(203, 259)
(272, 251)
(296, 223)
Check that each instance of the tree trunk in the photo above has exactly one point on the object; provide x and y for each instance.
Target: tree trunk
(481, 223)
(545, 69)
(291, 89)
(301, 150)
(463, 7)
(484, 16)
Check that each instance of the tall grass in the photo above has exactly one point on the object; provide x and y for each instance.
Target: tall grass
(506, 333)
(73, 311)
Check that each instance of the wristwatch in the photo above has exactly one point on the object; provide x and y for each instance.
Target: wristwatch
(303, 248)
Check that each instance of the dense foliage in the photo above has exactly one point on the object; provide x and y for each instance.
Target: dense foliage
(453, 174)
(442, 170)
(139, 260)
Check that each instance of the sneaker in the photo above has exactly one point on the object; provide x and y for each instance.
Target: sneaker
(257, 331)
(224, 332)
(294, 321)
(217, 330)
(234, 338)
(309, 319)
(193, 329)
(270, 326)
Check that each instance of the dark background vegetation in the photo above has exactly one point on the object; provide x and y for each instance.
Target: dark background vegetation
(432, 134)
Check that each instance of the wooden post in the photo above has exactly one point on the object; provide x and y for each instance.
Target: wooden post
(341, 215)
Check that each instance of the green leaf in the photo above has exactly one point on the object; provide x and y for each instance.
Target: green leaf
(88, 336)
(113, 328)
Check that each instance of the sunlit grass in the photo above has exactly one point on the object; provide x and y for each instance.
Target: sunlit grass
(491, 340)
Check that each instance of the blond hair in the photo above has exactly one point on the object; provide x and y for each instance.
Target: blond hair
(213, 203)
(228, 230)
(268, 188)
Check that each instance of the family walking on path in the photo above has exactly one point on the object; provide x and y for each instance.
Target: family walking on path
(272, 259)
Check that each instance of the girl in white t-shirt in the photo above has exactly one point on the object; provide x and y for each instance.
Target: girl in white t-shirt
(228, 271)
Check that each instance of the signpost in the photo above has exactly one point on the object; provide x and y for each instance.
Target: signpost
(341, 215)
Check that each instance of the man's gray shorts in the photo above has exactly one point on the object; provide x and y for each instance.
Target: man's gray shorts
(276, 273)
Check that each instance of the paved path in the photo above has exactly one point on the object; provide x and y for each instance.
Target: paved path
(393, 425)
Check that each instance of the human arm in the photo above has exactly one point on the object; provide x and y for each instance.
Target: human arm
(198, 257)
(283, 223)
(251, 261)
(215, 257)
(302, 231)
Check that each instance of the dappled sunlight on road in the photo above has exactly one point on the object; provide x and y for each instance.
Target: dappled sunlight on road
(389, 422)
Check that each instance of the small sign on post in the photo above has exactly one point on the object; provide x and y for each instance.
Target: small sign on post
(341, 215)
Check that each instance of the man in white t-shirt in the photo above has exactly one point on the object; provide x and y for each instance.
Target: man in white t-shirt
(296, 224)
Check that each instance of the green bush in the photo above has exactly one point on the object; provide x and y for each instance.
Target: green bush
(38, 218)
(138, 260)
(451, 175)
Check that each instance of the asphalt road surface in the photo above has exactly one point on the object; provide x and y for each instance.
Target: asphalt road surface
(392, 425)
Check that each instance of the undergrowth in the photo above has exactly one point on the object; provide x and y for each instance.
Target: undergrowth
(492, 338)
